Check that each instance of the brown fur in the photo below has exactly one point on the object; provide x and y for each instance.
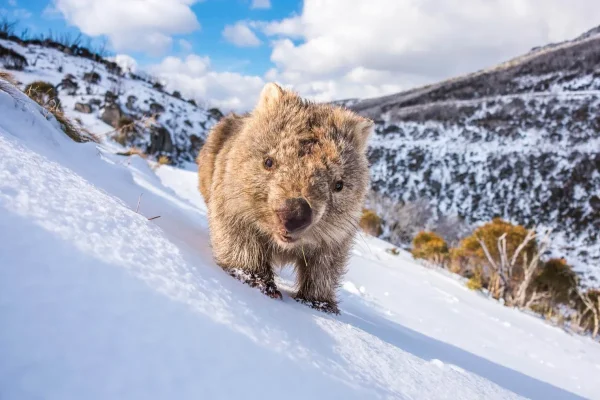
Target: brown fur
(313, 147)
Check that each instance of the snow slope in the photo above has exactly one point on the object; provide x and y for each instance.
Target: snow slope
(97, 302)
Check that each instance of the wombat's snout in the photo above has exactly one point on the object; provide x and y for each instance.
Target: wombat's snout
(295, 215)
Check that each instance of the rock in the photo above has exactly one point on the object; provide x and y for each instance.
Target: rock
(156, 108)
(160, 140)
(131, 102)
(95, 102)
(112, 115)
(69, 84)
(83, 108)
(110, 97)
(92, 77)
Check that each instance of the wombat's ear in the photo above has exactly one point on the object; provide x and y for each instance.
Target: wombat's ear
(269, 96)
(362, 131)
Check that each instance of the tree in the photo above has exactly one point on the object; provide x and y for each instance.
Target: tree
(511, 255)
(591, 305)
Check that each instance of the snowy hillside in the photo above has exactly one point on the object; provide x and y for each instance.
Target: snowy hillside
(98, 302)
(520, 140)
(105, 98)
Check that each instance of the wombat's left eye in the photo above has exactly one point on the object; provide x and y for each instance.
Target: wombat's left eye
(268, 163)
(339, 185)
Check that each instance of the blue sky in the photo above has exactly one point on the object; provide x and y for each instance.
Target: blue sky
(213, 16)
(222, 52)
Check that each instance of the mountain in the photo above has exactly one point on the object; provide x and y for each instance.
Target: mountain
(520, 140)
(99, 302)
(132, 108)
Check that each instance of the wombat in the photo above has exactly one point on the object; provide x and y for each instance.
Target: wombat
(285, 184)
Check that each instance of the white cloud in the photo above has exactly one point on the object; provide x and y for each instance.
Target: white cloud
(126, 62)
(289, 27)
(260, 4)
(12, 3)
(241, 35)
(361, 49)
(145, 25)
(194, 78)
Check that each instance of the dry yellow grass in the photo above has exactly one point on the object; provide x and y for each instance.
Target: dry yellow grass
(133, 151)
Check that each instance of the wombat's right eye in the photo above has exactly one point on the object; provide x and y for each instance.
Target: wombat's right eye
(268, 163)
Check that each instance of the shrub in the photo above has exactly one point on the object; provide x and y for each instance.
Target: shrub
(370, 223)
(43, 93)
(470, 253)
(10, 59)
(162, 160)
(476, 281)
(430, 246)
(133, 151)
(558, 279)
(177, 94)
(8, 78)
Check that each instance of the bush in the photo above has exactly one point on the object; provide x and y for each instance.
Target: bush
(177, 94)
(133, 151)
(10, 59)
(370, 223)
(43, 93)
(476, 281)
(430, 246)
(470, 254)
(558, 279)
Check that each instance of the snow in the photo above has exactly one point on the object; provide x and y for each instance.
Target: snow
(98, 302)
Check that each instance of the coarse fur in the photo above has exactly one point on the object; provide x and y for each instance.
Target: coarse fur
(312, 148)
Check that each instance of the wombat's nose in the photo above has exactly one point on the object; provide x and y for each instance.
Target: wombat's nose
(295, 214)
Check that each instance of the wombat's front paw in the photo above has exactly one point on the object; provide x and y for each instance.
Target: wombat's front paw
(265, 284)
(324, 306)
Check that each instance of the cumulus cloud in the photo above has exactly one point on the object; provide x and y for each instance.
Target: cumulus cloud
(144, 25)
(260, 4)
(241, 35)
(126, 62)
(339, 48)
(194, 78)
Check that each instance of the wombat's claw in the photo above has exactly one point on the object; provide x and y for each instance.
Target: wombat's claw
(323, 306)
(266, 286)
(271, 290)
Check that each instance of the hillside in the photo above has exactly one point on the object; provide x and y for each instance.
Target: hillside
(520, 140)
(97, 301)
(132, 109)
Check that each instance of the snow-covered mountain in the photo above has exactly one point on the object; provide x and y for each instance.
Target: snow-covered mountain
(520, 140)
(107, 97)
(99, 302)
